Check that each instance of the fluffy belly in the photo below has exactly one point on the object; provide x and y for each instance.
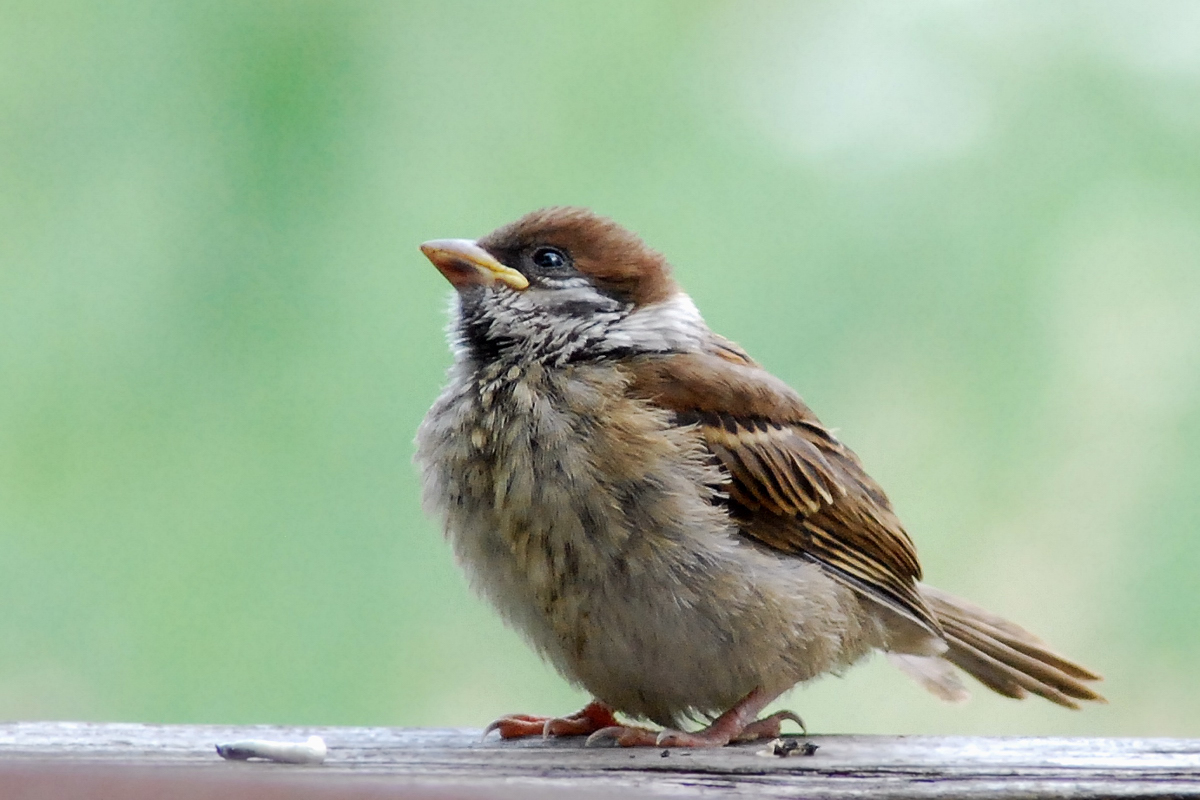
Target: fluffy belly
(588, 520)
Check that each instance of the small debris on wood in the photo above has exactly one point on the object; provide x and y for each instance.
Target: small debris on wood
(664, 754)
(782, 748)
(312, 751)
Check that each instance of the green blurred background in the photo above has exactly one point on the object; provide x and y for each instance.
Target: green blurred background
(969, 233)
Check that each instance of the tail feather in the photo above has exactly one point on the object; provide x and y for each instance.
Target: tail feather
(1004, 656)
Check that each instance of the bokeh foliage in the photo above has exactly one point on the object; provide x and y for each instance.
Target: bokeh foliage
(969, 233)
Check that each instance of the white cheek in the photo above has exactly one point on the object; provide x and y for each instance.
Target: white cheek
(673, 324)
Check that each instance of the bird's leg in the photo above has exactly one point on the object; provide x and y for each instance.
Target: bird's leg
(591, 718)
(738, 724)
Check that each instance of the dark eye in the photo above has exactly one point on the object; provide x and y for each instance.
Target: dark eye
(549, 258)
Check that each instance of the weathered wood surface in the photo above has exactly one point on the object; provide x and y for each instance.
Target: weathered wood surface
(63, 759)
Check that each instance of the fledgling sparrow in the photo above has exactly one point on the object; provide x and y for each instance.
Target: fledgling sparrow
(665, 521)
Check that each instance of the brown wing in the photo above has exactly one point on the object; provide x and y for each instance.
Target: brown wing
(793, 485)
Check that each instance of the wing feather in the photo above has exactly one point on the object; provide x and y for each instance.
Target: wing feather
(792, 485)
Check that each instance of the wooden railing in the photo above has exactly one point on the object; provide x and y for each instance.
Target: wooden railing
(59, 759)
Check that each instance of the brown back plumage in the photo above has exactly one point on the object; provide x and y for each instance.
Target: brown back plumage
(793, 486)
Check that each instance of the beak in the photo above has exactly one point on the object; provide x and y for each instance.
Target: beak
(465, 263)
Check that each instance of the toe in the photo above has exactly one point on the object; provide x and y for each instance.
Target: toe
(590, 718)
(624, 736)
(768, 727)
(704, 738)
(515, 726)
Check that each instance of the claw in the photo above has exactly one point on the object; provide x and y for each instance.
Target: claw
(624, 736)
(768, 727)
(794, 717)
(611, 732)
(512, 726)
(665, 737)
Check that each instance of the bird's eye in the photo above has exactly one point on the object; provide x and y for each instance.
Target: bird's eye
(549, 258)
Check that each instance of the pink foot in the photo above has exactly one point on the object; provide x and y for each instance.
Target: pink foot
(735, 725)
(591, 718)
(624, 736)
(718, 735)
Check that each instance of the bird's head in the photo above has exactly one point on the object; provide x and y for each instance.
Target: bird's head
(563, 285)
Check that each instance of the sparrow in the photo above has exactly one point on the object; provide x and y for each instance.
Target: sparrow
(666, 522)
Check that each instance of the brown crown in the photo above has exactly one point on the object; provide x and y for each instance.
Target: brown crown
(615, 259)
